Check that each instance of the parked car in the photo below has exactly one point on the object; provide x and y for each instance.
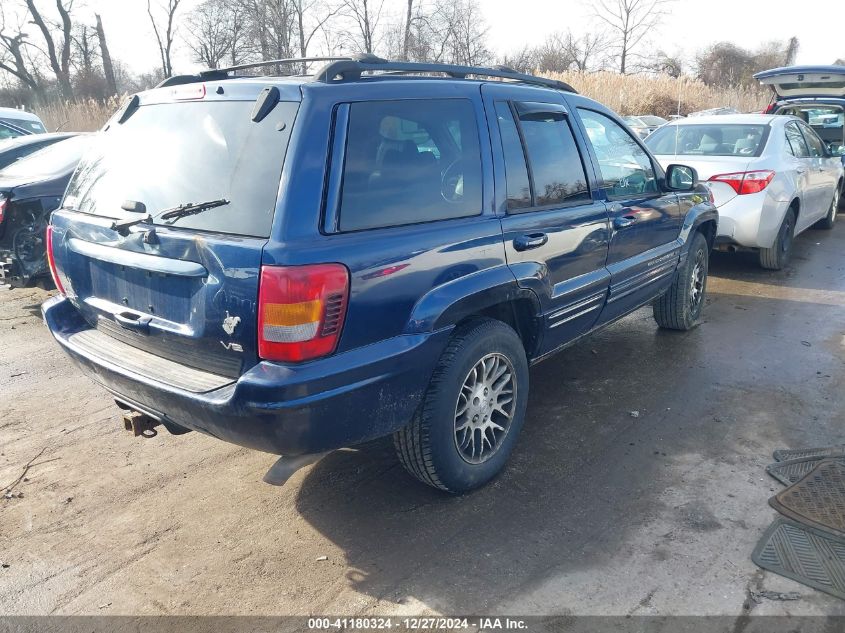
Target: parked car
(301, 264)
(721, 111)
(30, 189)
(15, 149)
(9, 131)
(22, 119)
(771, 177)
(815, 94)
(644, 124)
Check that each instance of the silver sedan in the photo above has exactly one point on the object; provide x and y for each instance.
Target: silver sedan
(771, 177)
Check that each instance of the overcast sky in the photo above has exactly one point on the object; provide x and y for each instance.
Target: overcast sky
(692, 25)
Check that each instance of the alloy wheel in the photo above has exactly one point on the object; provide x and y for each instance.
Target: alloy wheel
(485, 408)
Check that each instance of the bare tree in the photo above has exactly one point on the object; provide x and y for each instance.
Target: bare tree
(13, 57)
(58, 53)
(629, 21)
(365, 15)
(213, 29)
(108, 67)
(791, 51)
(311, 17)
(406, 31)
(165, 34)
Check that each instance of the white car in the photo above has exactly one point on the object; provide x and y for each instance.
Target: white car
(22, 119)
(771, 177)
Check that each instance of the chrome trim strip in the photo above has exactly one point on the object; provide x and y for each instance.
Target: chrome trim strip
(143, 261)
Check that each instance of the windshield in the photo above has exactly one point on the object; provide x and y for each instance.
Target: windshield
(170, 154)
(59, 157)
(29, 125)
(708, 140)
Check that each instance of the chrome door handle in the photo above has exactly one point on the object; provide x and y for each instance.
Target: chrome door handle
(527, 242)
(623, 221)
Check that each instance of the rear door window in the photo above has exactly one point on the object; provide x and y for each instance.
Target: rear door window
(554, 162)
(813, 142)
(169, 154)
(410, 161)
(516, 171)
(796, 142)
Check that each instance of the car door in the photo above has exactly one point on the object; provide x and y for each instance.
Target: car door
(822, 179)
(644, 220)
(800, 163)
(555, 229)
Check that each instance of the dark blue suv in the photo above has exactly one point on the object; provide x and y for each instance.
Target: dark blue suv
(299, 264)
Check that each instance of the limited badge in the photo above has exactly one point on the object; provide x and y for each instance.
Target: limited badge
(230, 323)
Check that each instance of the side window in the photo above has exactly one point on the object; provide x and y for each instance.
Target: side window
(626, 169)
(557, 173)
(813, 142)
(796, 141)
(410, 161)
(516, 172)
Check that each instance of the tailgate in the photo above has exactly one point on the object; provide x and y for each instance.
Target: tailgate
(183, 287)
(805, 81)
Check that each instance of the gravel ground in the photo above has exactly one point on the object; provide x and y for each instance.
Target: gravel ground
(600, 511)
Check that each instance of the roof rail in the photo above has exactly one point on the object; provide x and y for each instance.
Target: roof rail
(268, 62)
(353, 68)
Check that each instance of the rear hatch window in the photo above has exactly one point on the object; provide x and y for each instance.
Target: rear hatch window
(170, 154)
(709, 140)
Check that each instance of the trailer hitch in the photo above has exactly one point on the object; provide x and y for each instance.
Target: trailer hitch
(140, 424)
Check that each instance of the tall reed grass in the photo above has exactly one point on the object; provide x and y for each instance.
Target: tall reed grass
(627, 94)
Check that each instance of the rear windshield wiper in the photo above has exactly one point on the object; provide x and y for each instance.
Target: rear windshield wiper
(190, 208)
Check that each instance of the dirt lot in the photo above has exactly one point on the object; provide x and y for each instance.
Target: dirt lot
(599, 512)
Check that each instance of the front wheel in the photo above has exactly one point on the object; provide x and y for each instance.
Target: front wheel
(472, 411)
(680, 307)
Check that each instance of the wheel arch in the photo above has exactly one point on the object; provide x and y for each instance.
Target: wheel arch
(491, 293)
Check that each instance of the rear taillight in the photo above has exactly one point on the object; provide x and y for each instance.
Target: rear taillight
(301, 311)
(769, 109)
(745, 182)
(51, 260)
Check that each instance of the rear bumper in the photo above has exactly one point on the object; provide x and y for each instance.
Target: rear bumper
(751, 220)
(318, 406)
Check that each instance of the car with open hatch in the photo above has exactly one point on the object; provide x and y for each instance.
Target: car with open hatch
(300, 264)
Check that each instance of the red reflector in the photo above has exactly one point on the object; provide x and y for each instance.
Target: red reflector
(188, 92)
(301, 311)
(745, 182)
(51, 260)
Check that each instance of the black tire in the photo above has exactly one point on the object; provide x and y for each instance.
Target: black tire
(680, 307)
(842, 196)
(829, 220)
(429, 447)
(776, 257)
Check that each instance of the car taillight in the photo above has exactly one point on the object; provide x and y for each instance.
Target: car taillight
(51, 260)
(745, 182)
(769, 109)
(301, 311)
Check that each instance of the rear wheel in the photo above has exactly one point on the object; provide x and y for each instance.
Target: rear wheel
(472, 412)
(680, 307)
(778, 255)
(829, 220)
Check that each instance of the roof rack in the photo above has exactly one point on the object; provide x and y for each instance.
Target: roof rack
(352, 68)
(271, 62)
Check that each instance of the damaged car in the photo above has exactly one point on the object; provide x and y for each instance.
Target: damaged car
(30, 189)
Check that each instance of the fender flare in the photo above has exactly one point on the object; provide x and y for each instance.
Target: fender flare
(446, 305)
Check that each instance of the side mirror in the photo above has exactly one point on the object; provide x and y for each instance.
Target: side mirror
(681, 178)
(836, 149)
